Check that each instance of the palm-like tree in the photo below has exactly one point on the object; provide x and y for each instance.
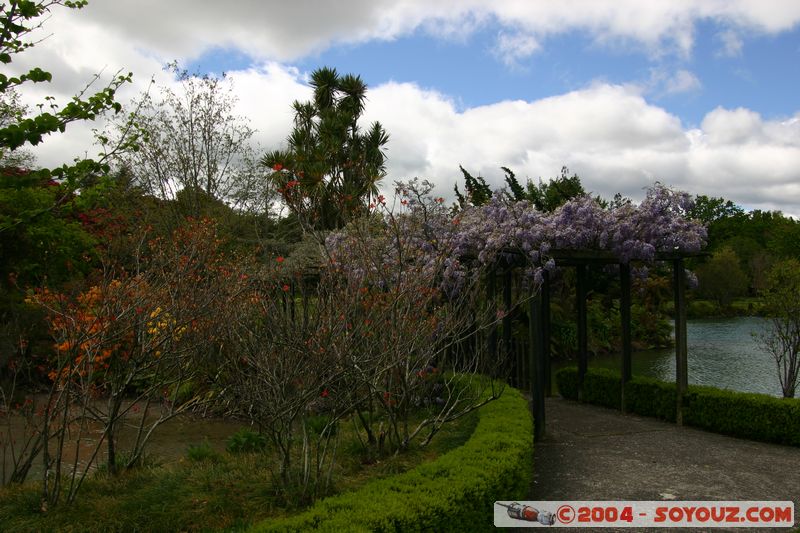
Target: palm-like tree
(331, 168)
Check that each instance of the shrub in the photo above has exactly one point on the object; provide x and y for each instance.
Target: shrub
(202, 452)
(453, 493)
(602, 387)
(701, 309)
(567, 382)
(751, 416)
(246, 441)
(650, 397)
(739, 414)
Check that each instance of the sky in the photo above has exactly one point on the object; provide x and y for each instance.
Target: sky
(700, 95)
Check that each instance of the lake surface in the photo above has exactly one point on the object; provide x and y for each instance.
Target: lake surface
(722, 353)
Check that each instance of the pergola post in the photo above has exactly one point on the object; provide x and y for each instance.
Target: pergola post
(536, 364)
(583, 339)
(681, 350)
(508, 352)
(490, 296)
(625, 318)
(545, 297)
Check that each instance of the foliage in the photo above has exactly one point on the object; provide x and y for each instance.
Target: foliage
(454, 493)
(721, 278)
(132, 340)
(54, 248)
(331, 169)
(502, 228)
(12, 111)
(19, 18)
(759, 238)
(750, 416)
(709, 209)
(549, 196)
(544, 196)
(739, 414)
(477, 190)
(374, 334)
(782, 338)
(246, 441)
(202, 452)
(227, 494)
(602, 387)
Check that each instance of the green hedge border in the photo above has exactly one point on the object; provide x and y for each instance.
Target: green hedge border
(456, 492)
(739, 414)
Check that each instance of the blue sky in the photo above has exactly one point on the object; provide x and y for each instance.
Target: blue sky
(701, 95)
(764, 76)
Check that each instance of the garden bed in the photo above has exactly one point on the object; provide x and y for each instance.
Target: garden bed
(456, 492)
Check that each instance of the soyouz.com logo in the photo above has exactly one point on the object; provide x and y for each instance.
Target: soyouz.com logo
(639, 514)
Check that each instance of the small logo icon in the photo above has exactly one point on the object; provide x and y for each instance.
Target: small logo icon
(565, 514)
(529, 514)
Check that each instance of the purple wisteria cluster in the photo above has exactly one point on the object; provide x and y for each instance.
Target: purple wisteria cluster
(453, 248)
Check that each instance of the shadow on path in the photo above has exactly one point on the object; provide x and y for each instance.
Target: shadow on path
(593, 453)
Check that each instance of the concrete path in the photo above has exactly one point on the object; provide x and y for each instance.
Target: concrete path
(593, 453)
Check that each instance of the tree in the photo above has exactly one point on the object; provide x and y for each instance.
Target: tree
(478, 191)
(191, 145)
(549, 196)
(721, 278)
(331, 168)
(782, 337)
(710, 209)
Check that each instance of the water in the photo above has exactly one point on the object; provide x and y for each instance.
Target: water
(722, 353)
(169, 442)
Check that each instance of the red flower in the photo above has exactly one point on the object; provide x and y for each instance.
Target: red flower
(285, 288)
(277, 166)
(280, 259)
(381, 199)
(324, 393)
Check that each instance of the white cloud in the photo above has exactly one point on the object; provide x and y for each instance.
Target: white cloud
(511, 48)
(730, 44)
(682, 82)
(610, 135)
(285, 31)
(663, 82)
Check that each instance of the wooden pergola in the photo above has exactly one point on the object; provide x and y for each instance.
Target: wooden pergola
(539, 323)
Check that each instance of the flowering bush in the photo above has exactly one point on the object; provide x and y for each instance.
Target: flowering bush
(490, 235)
(128, 346)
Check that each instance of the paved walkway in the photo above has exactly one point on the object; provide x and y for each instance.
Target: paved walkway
(593, 453)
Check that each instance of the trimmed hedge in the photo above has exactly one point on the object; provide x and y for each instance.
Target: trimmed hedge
(748, 415)
(651, 397)
(602, 387)
(738, 414)
(456, 492)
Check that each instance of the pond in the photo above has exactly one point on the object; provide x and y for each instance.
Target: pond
(169, 443)
(722, 353)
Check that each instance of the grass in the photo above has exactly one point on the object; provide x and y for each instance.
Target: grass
(223, 491)
(743, 306)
